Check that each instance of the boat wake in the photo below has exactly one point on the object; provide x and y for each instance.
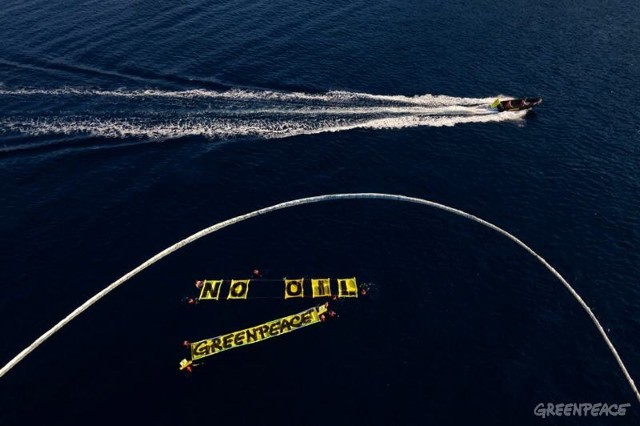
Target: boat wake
(164, 114)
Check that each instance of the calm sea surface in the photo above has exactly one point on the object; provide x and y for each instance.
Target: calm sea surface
(127, 126)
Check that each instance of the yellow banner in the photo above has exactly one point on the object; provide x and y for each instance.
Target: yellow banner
(320, 287)
(239, 289)
(207, 347)
(293, 288)
(210, 290)
(347, 287)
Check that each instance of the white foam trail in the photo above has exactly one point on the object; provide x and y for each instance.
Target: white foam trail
(227, 128)
(239, 94)
(163, 114)
(302, 201)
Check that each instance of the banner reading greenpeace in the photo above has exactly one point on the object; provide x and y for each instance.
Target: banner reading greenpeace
(207, 347)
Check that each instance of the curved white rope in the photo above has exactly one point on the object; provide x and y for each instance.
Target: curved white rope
(26, 351)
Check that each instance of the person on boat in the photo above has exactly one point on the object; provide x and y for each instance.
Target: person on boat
(507, 105)
(523, 103)
(190, 365)
(190, 300)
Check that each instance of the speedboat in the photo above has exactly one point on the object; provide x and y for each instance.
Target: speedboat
(519, 104)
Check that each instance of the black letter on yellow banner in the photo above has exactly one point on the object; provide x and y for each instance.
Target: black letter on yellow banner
(293, 288)
(347, 287)
(320, 287)
(210, 290)
(239, 289)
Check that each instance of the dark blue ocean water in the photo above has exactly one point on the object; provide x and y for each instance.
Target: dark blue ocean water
(127, 126)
